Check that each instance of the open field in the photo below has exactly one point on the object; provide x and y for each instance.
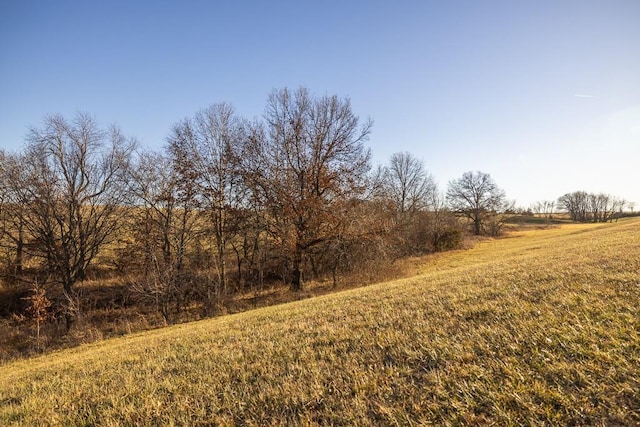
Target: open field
(542, 327)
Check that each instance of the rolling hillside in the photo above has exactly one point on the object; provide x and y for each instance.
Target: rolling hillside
(542, 327)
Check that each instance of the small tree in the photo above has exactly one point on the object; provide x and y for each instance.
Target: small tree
(38, 308)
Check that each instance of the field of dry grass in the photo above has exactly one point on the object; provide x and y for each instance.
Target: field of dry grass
(542, 327)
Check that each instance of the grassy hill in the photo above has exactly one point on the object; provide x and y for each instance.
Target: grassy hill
(542, 327)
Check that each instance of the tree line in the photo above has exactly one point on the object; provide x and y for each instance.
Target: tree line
(591, 207)
(227, 206)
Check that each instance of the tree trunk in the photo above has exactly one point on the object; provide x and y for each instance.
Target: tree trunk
(19, 256)
(477, 224)
(297, 282)
(222, 277)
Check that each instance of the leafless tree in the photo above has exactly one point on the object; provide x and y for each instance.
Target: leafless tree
(413, 196)
(313, 165)
(575, 204)
(408, 184)
(12, 214)
(605, 207)
(163, 226)
(477, 197)
(260, 246)
(545, 208)
(70, 184)
(205, 150)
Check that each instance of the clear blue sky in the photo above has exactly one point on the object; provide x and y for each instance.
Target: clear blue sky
(542, 95)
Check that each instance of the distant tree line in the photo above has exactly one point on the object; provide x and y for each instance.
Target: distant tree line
(590, 207)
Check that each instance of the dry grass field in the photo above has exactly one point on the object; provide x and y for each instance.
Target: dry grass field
(540, 328)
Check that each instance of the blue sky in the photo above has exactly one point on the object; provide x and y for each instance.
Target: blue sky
(542, 95)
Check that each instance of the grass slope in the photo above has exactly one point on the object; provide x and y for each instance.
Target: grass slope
(539, 328)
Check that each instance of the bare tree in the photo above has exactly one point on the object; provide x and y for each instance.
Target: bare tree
(205, 150)
(408, 184)
(576, 204)
(412, 194)
(163, 226)
(70, 183)
(313, 164)
(12, 213)
(477, 197)
(260, 246)
(605, 207)
(545, 208)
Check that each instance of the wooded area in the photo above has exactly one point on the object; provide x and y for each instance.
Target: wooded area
(228, 207)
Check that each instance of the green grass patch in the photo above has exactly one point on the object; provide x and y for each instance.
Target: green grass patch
(538, 328)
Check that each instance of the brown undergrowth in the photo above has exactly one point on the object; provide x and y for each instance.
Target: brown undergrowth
(107, 307)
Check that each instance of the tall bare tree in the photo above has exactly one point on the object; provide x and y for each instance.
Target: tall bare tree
(477, 197)
(408, 184)
(410, 191)
(70, 183)
(205, 150)
(313, 165)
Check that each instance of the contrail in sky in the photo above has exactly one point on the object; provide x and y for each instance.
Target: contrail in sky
(580, 95)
